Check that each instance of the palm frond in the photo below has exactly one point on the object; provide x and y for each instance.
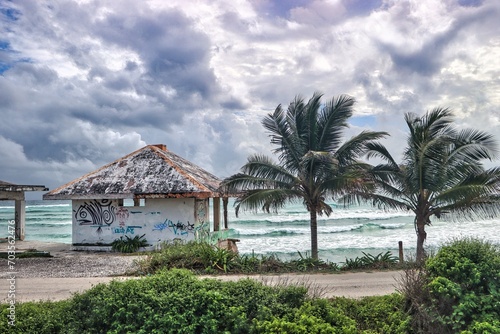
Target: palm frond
(265, 199)
(356, 146)
(332, 121)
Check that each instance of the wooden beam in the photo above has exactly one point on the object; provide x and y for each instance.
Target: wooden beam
(225, 201)
(216, 213)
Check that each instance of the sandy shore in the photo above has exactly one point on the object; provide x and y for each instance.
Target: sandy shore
(71, 271)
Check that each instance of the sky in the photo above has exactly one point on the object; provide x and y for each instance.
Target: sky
(83, 83)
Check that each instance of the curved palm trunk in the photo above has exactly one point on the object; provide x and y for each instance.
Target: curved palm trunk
(421, 236)
(314, 234)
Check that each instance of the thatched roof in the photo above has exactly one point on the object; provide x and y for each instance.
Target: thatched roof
(150, 172)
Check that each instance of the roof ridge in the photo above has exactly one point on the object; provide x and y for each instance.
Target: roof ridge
(178, 169)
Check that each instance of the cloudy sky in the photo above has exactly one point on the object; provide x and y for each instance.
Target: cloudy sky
(83, 83)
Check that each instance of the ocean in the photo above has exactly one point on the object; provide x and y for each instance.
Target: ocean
(347, 233)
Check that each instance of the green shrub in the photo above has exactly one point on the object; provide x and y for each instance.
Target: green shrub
(464, 283)
(378, 314)
(176, 301)
(367, 261)
(458, 289)
(35, 317)
(129, 245)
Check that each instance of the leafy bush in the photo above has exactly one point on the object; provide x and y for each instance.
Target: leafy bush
(457, 290)
(202, 257)
(368, 261)
(464, 283)
(129, 245)
(342, 315)
(197, 256)
(380, 314)
(176, 301)
(36, 317)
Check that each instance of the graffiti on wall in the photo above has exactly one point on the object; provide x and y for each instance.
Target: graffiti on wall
(104, 220)
(177, 229)
(122, 215)
(96, 212)
(125, 229)
(202, 230)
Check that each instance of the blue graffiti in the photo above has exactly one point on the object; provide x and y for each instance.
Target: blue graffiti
(125, 229)
(178, 228)
(160, 227)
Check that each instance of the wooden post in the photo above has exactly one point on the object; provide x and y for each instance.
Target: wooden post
(225, 201)
(401, 256)
(20, 219)
(216, 214)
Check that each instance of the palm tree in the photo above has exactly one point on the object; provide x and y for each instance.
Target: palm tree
(313, 164)
(441, 174)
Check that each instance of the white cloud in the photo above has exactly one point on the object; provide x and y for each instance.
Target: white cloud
(82, 82)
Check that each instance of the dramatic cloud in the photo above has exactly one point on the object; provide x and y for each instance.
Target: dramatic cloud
(83, 83)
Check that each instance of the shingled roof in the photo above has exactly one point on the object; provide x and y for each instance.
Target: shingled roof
(150, 172)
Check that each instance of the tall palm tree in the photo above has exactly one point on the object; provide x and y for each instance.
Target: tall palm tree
(313, 164)
(441, 174)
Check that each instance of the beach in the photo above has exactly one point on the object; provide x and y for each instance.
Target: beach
(69, 271)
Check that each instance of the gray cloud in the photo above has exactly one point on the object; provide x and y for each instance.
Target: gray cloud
(84, 83)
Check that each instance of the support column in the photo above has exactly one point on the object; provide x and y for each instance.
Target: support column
(216, 214)
(225, 201)
(20, 218)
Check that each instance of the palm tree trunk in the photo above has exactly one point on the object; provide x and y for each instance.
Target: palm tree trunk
(421, 236)
(314, 234)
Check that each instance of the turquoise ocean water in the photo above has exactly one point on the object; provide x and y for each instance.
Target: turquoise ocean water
(345, 234)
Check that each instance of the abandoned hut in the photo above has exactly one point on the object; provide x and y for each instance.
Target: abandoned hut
(151, 192)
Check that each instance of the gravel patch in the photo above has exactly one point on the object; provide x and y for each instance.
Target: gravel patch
(75, 265)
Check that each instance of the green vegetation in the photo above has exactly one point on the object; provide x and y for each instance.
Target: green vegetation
(176, 301)
(129, 245)
(455, 291)
(367, 261)
(441, 174)
(313, 163)
(458, 290)
(26, 254)
(201, 257)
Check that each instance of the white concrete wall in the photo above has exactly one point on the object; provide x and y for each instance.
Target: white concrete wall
(102, 221)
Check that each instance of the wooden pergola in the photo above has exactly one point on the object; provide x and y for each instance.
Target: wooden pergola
(15, 192)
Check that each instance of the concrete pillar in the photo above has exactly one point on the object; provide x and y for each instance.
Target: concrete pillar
(20, 219)
(216, 214)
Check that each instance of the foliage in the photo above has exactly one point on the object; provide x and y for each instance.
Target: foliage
(458, 289)
(194, 255)
(36, 317)
(441, 174)
(464, 283)
(176, 301)
(368, 261)
(26, 254)
(129, 245)
(201, 257)
(313, 163)
(341, 315)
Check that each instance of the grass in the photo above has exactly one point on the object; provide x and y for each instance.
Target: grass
(204, 258)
